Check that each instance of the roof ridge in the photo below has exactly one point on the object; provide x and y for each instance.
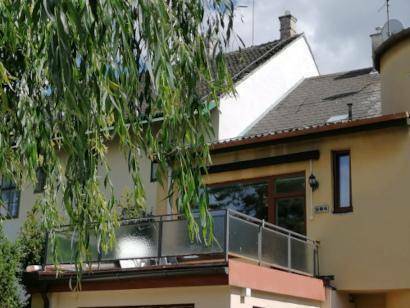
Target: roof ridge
(342, 73)
(277, 41)
(266, 54)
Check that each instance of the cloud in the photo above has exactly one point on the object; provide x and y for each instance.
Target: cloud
(338, 31)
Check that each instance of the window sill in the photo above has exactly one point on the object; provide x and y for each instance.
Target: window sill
(343, 210)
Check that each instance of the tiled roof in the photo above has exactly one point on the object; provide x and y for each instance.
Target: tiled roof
(317, 99)
(243, 61)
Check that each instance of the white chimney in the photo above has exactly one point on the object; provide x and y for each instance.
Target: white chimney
(377, 40)
(287, 26)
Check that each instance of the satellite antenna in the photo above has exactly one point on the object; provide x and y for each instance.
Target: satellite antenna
(391, 27)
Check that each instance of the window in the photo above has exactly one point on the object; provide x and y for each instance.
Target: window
(249, 198)
(277, 199)
(10, 196)
(41, 181)
(154, 171)
(342, 184)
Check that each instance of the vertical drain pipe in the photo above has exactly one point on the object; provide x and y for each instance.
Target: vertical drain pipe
(311, 192)
(46, 301)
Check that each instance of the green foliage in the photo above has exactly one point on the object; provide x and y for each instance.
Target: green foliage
(77, 75)
(12, 293)
(31, 240)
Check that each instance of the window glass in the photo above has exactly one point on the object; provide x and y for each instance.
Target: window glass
(290, 184)
(10, 196)
(290, 214)
(247, 198)
(344, 180)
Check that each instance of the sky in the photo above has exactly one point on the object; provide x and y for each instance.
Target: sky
(337, 31)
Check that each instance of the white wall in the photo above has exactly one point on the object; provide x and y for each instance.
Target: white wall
(336, 299)
(264, 87)
(268, 300)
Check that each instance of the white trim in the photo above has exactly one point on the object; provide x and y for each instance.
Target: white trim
(311, 52)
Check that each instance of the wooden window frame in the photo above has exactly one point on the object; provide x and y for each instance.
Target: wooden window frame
(337, 208)
(271, 195)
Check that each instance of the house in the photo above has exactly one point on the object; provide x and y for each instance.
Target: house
(309, 205)
(331, 161)
(272, 69)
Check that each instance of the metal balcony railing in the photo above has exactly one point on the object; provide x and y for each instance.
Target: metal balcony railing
(164, 239)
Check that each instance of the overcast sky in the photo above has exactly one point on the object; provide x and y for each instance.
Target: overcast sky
(337, 30)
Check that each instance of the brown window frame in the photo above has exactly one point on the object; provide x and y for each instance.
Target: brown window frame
(337, 208)
(271, 195)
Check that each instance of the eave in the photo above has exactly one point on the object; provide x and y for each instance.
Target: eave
(311, 132)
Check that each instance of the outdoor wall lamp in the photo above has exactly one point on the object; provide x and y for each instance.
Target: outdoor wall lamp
(313, 182)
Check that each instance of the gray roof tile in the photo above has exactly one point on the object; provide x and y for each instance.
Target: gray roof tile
(317, 99)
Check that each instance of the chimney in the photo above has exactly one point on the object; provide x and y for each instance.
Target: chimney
(377, 40)
(287, 26)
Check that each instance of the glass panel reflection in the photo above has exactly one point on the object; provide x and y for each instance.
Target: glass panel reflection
(290, 184)
(290, 214)
(247, 198)
(344, 181)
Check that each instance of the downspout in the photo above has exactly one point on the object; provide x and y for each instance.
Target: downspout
(311, 192)
(46, 301)
(169, 201)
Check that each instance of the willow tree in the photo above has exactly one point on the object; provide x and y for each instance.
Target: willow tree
(76, 74)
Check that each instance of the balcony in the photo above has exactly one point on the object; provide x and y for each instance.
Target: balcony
(163, 241)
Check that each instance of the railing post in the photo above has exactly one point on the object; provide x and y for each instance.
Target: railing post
(44, 263)
(260, 242)
(160, 240)
(289, 252)
(227, 235)
(316, 260)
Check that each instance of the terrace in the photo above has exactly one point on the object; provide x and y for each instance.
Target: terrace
(162, 242)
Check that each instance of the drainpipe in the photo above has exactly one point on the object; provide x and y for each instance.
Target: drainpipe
(46, 301)
(311, 192)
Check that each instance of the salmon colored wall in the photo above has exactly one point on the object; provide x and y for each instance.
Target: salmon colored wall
(366, 249)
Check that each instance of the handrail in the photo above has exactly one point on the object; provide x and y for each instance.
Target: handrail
(166, 237)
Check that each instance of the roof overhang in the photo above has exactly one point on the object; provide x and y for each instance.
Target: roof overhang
(388, 44)
(234, 273)
(384, 121)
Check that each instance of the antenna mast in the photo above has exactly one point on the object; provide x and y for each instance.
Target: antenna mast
(388, 17)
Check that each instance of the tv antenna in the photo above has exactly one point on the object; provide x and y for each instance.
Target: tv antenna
(387, 6)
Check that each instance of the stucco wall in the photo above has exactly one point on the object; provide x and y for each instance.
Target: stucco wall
(399, 299)
(267, 300)
(336, 299)
(202, 297)
(367, 249)
(395, 76)
(262, 88)
(120, 178)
